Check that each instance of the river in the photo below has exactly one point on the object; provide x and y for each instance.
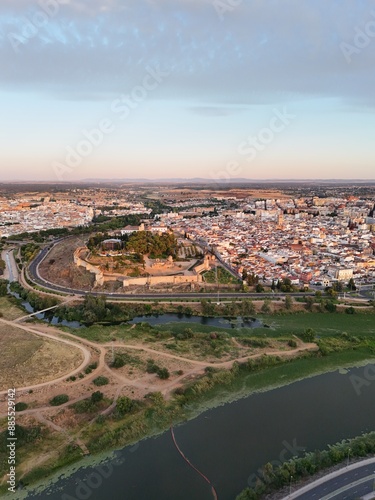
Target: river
(229, 443)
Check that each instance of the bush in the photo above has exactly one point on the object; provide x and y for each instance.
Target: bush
(21, 406)
(96, 396)
(350, 310)
(330, 307)
(151, 366)
(59, 400)
(124, 405)
(90, 368)
(100, 419)
(163, 373)
(100, 381)
(292, 343)
(308, 335)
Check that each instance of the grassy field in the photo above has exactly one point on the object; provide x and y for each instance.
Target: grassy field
(223, 277)
(27, 359)
(10, 310)
(324, 324)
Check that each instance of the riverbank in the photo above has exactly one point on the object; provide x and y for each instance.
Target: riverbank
(157, 418)
(275, 483)
(216, 387)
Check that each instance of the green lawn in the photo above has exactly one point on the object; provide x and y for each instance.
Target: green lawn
(9, 310)
(223, 277)
(324, 324)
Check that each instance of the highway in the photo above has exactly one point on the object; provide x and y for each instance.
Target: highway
(350, 483)
(11, 266)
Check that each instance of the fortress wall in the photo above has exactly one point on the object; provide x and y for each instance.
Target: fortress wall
(99, 276)
(157, 280)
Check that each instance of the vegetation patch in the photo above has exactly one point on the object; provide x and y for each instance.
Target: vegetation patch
(272, 479)
(59, 400)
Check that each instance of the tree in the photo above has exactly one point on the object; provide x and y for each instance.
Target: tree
(124, 405)
(337, 286)
(309, 303)
(331, 292)
(351, 284)
(163, 373)
(286, 285)
(266, 307)
(96, 396)
(252, 279)
(288, 302)
(308, 335)
(3, 288)
(247, 308)
(259, 288)
(330, 306)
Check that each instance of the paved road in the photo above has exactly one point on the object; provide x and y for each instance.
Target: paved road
(346, 484)
(11, 271)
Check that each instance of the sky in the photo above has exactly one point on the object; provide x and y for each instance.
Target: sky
(220, 89)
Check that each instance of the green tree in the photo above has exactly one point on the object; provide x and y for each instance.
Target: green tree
(330, 306)
(337, 286)
(288, 302)
(309, 303)
(308, 335)
(247, 308)
(266, 307)
(96, 396)
(124, 405)
(351, 284)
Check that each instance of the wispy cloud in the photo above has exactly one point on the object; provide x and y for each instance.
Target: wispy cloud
(261, 48)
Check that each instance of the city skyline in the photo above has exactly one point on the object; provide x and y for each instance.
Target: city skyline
(215, 89)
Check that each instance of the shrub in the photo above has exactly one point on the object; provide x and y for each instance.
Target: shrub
(21, 406)
(90, 368)
(100, 381)
(59, 400)
(124, 405)
(100, 419)
(118, 362)
(163, 373)
(96, 396)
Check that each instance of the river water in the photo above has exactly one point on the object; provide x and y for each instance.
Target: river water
(229, 443)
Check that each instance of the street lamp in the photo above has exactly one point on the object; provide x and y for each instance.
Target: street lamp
(349, 450)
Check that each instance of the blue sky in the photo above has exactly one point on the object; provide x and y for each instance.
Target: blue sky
(182, 84)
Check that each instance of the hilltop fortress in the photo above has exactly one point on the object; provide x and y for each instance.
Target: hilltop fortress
(158, 271)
